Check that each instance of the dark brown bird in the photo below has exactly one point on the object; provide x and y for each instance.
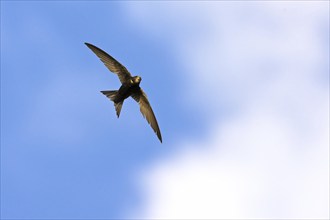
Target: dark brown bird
(130, 87)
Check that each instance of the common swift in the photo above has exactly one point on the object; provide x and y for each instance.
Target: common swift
(130, 88)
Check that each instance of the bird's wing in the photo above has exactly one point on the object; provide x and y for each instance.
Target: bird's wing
(146, 111)
(111, 63)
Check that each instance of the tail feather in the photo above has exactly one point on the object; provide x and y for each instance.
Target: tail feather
(112, 96)
(118, 106)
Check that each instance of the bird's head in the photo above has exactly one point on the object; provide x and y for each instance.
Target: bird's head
(137, 79)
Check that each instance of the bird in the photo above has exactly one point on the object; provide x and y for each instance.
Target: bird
(130, 88)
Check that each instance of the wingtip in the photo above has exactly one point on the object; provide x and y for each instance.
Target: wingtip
(88, 44)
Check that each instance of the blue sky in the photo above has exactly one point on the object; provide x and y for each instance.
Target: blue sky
(239, 91)
(64, 152)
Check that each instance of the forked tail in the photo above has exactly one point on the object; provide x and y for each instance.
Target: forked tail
(112, 95)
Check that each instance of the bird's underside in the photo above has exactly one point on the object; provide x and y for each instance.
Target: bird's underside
(130, 87)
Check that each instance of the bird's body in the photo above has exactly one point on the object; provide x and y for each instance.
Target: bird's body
(130, 88)
(125, 91)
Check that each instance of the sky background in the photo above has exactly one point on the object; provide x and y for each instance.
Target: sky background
(240, 91)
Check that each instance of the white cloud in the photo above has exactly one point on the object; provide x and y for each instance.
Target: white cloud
(270, 159)
(247, 170)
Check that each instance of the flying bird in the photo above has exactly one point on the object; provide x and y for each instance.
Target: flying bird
(130, 88)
